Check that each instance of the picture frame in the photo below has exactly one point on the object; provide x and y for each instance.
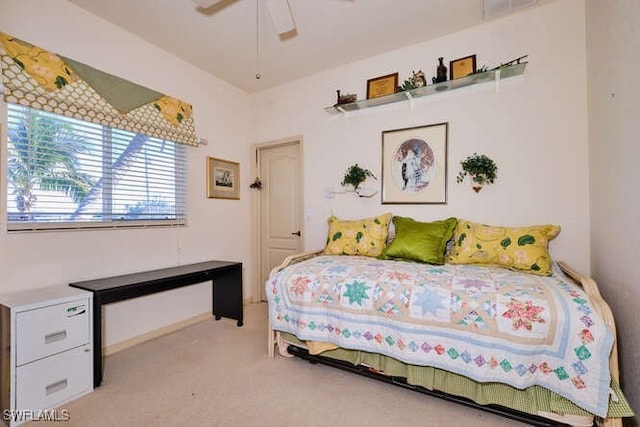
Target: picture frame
(462, 67)
(223, 179)
(381, 86)
(414, 165)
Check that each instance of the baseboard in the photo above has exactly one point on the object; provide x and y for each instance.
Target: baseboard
(123, 345)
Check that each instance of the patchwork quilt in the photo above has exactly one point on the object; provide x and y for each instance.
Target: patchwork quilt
(487, 323)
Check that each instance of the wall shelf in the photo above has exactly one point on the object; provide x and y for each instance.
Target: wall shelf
(410, 95)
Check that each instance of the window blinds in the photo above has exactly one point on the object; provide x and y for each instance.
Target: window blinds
(69, 173)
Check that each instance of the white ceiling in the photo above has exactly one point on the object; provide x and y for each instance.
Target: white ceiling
(222, 39)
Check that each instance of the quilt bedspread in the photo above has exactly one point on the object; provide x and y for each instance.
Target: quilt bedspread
(489, 324)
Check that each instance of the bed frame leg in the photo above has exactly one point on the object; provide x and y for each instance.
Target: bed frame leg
(282, 346)
(275, 339)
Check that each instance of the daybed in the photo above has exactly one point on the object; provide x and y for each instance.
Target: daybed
(457, 308)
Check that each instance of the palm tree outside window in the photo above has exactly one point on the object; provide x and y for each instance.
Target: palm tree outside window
(64, 172)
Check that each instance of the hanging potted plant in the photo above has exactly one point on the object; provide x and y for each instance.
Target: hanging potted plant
(355, 175)
(481, 170)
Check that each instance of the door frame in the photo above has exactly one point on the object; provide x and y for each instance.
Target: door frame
(257, 208)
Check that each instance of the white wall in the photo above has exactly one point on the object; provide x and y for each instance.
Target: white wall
(217, 229)
(614, 91)
(535, 128)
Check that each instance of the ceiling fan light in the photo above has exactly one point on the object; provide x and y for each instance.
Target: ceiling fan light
(281, 15)
(205, 3)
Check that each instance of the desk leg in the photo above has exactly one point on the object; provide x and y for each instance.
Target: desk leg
(227, 294)
(97, 341)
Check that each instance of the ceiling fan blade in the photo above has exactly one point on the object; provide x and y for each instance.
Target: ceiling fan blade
(281, 15)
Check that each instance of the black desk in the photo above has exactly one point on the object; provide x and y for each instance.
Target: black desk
(227, 293)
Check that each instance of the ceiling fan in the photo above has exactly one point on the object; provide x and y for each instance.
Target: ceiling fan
(279, 11)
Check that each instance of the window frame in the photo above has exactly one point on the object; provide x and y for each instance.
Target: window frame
(180, 186)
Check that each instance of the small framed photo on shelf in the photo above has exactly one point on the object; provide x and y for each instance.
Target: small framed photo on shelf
(462, 67)
(223, 179)
(381, 86)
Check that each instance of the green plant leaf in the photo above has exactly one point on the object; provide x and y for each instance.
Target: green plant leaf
(355, 175)
(481, 168)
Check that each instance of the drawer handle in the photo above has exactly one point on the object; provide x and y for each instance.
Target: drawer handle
(57, 386)
(55, 336)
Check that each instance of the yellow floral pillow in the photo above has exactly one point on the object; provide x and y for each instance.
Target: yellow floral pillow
(518, 248)
(359, 237)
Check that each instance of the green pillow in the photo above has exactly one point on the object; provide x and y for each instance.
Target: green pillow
(420, 241)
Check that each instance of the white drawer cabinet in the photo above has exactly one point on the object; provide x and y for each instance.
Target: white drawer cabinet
(49, 330)
(46, 354)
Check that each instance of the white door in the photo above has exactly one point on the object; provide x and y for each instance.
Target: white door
(280, 206)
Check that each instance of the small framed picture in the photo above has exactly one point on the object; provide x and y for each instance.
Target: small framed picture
(381, 86)
(223, 179)
(462, 67)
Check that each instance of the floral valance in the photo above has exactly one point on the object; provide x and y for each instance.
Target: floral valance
(45, 81)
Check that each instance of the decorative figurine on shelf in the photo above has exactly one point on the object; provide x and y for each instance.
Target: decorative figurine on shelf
(441, 72)
(417, 80)
(345, 99)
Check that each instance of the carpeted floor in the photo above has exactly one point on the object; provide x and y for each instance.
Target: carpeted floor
(216, 374)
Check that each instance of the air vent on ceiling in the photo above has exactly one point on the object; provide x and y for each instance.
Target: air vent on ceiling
(493, 8)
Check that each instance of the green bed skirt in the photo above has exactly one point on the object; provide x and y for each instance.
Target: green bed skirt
(532, 400)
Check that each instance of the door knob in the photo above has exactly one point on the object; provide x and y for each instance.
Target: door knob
(297, 233)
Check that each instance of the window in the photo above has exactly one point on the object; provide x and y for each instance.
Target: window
(69, 173)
